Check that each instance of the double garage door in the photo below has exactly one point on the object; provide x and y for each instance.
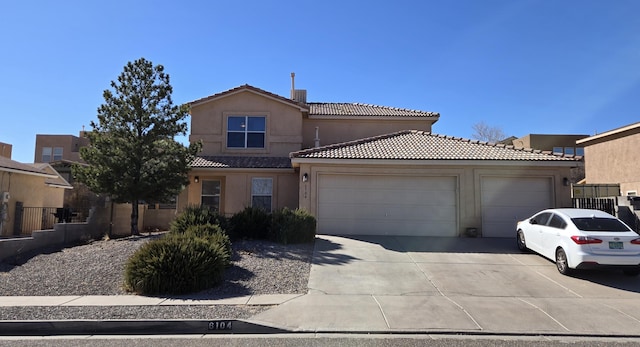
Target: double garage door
(423, 206)
(387, 205)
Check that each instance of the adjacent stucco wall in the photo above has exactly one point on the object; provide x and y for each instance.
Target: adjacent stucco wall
(341, 130)
(31, 191)
(284, 124)
(615, 161)
(236, 188)
(468, 178)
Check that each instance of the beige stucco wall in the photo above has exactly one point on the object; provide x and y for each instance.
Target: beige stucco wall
(468, 178)
(615, 161)
(31, 191)
(235, 186)
(335, 130)
(284, 124)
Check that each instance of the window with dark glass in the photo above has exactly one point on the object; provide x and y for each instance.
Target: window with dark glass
(261, 193)
(211, 194)
(246, 131)
(557, 222)
(541, 219)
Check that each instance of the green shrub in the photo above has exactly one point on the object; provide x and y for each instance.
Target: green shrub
(197, 215)
(250, 223)
(175, 264)
(292, 226)
(211, 233)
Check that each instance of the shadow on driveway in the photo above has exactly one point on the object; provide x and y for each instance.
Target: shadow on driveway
(431, 244)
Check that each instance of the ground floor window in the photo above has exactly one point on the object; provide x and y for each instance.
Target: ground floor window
(211, 194)
(261, 193)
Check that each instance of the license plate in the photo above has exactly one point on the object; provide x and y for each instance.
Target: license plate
(615, 245)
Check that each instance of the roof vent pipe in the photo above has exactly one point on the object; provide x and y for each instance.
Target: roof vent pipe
(293, 86)
(317, 139)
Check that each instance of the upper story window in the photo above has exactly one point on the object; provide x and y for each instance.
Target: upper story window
(50, 154)
(557, 150)
(246, 131)
(580, 151)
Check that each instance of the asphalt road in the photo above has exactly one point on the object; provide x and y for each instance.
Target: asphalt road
(320, 340)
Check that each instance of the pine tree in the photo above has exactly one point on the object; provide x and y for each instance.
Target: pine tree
(133, 155)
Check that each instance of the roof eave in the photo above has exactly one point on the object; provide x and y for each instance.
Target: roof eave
(249, 89)
(296, 161)
(24, 172)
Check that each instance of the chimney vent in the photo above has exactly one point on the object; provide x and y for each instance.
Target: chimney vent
(298, 95)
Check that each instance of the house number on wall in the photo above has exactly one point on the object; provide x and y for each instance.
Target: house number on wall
(221, 325)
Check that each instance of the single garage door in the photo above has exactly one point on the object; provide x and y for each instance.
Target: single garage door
(387, 205)
(506, 200)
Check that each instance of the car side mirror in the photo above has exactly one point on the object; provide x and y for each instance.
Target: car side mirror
(533, 221)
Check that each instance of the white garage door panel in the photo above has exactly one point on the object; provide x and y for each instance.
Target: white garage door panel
(383, 205)
(506, 200)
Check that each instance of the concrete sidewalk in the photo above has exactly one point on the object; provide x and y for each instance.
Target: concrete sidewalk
(135, 300)
(404, 285)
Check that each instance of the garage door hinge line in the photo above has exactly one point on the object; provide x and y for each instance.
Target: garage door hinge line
(386, 321)
(545, 313)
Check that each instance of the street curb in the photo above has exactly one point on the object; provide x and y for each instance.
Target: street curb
(132, 327)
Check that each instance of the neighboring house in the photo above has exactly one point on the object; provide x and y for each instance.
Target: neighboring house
(54, 148)
(555, 143)
(560, 144)
(5, 150)
(613, 157)
(359, 170)
(36, 186)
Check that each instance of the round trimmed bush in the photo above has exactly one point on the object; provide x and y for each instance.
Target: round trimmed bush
(197, 215)
(176, 264)
(292, 226)
(211, 233)
(250, 223)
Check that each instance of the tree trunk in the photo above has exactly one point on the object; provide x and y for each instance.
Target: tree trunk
(134, 218)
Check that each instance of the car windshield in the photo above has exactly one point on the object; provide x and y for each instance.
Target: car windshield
(599, 224)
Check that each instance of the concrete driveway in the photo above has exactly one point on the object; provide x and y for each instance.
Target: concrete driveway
(408, 284)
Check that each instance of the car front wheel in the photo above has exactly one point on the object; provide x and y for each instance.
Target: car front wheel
(561, 262)
(522, 243)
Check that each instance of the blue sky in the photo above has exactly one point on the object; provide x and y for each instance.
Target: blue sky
(540, 66)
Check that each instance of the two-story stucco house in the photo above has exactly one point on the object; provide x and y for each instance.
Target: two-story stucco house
(363, 169)
(613, 158)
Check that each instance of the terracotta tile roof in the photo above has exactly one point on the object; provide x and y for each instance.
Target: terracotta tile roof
(358, 109)
(250, 88)
(421, 145)
(237, 162)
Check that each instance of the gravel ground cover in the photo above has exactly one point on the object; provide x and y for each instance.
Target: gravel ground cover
(97, 268)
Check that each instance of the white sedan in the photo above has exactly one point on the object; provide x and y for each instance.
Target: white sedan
(581, 239)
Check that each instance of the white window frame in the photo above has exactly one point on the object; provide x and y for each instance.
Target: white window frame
(218, 195)
(259, 191)
(47, 154)
(57, 156)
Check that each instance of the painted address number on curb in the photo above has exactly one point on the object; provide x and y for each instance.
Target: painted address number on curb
(221, 325)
